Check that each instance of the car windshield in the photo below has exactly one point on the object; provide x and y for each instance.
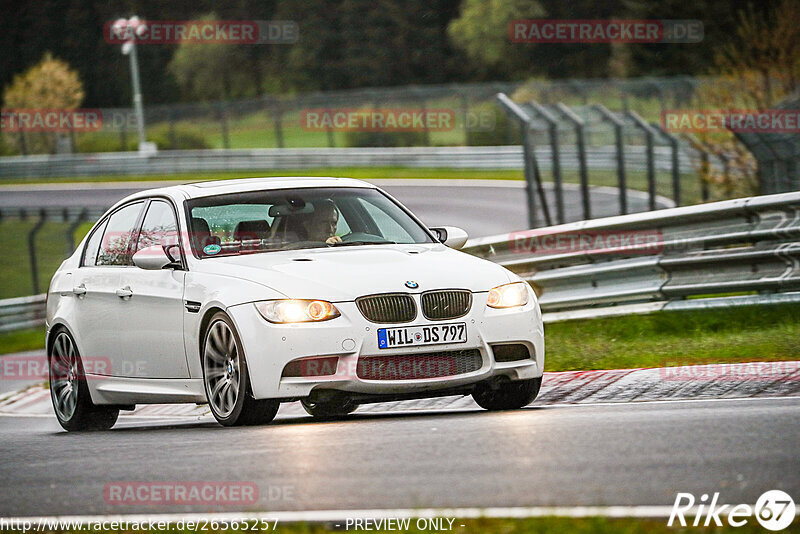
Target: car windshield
(288, 219)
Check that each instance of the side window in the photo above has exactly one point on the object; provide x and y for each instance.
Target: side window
(115, 246)
(93, 245)
(159, 227)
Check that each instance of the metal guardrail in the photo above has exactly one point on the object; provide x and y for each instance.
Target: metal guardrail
(734, 246)
(742, 245)
(184, 161)
(22, 312)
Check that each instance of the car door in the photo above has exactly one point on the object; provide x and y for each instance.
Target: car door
(95, 286)
(152, 312)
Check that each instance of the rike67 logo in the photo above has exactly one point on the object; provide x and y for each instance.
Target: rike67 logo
(774, 510)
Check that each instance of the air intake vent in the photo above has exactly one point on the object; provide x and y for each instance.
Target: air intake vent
(511, 352)
(419, 366)
(389, 308)
(446, 304)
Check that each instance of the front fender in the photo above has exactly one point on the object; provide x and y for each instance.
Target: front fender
(214, 292)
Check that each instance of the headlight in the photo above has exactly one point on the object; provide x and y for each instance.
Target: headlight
(508, 295)
(296, 311)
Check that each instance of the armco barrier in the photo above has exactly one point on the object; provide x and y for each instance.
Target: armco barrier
(185, 161)
(742, 245)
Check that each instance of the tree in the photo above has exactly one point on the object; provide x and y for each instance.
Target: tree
(756, 71)
(481, 32)
(211, 71)
(51, 84)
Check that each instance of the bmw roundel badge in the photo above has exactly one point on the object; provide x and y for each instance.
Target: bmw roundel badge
(412, 284)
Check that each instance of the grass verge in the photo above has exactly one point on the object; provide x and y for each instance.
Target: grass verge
(741, 334)
(22, 340)
(748, 333)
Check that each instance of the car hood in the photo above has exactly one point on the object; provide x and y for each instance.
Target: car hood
(343, 274)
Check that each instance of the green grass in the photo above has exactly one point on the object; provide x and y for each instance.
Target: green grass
(742, 334)
(543, 525)
(51, 250)
(21, 340)
(350, 172)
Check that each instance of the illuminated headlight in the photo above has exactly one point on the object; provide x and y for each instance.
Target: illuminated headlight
(508, 295)
(296, 311)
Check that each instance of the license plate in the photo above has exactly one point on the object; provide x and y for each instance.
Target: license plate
(411, 336)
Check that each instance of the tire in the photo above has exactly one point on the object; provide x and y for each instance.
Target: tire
(72, 403)
(332, 409)
(226, 378)
(508, 395)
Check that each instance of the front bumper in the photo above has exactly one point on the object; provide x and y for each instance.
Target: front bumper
(270, 347)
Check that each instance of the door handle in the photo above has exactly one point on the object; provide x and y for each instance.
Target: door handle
(124, 293)
(79, 290)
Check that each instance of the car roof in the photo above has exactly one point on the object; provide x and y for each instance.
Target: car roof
(240, 185)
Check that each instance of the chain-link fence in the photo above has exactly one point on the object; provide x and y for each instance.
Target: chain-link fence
(280, 121)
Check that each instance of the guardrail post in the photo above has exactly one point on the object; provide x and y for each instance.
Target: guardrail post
(70, 235)
(329, 131)
(530, 165)
(223, 122)
(552, 128)
(649, 135)
(173, 139)
(705, 165)
(277, 117)
(619, 141)
(583, 170)
(676, 172)
(465, 112)
(424, 105)
(32, 249)
(23, 145)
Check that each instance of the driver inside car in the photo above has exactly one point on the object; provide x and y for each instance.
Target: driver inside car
(321, 223)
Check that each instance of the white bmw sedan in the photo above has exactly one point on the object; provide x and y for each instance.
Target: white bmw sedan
(247, 293)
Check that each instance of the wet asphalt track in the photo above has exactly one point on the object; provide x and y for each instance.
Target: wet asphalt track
(481, 207)
(619, 454)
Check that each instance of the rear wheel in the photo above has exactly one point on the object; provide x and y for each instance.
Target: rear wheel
(330, 409)
(68, 390)
(508, 395)
(226, 378)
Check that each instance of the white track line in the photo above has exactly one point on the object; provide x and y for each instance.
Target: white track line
(334, 516)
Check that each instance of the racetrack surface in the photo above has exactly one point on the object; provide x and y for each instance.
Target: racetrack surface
(481, 207)
(597, 454)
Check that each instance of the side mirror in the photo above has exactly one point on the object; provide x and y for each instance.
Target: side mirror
(451, 236)
(155, 258)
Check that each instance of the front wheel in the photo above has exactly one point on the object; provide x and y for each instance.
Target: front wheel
(72, 403)
(331, 409)
(508, 395)
(226, 378)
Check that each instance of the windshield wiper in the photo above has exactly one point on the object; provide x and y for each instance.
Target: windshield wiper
(354, 243)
